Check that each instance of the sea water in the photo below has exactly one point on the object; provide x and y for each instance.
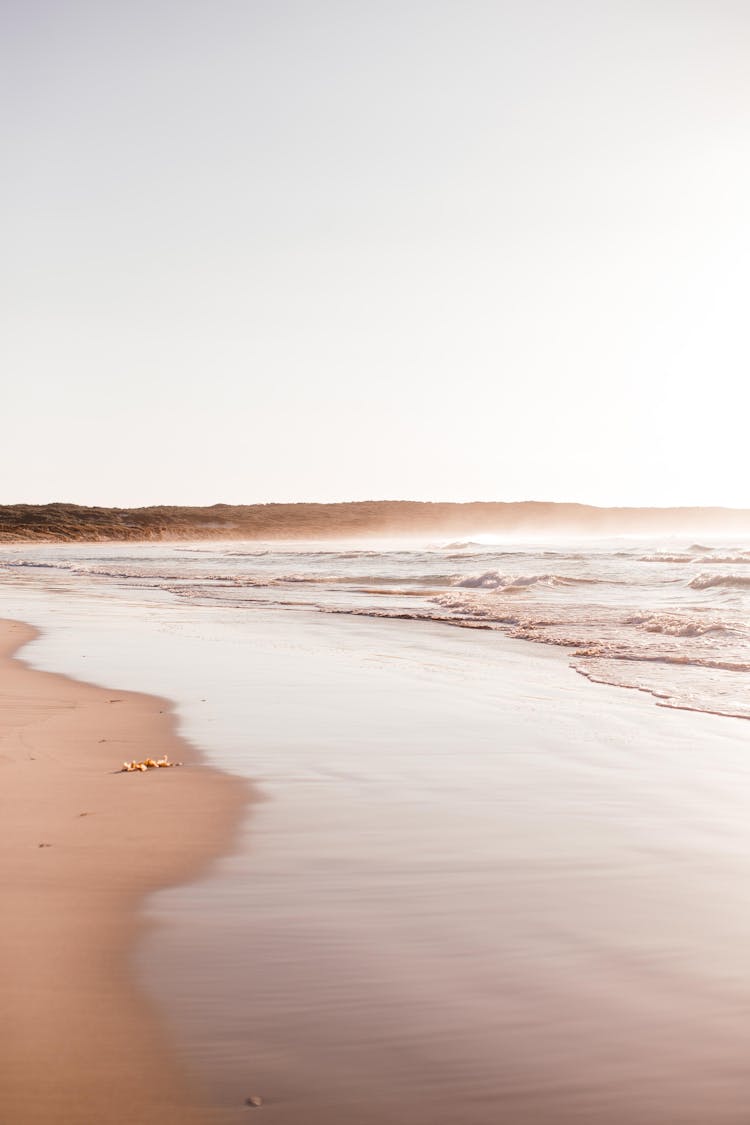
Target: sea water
(669, 617)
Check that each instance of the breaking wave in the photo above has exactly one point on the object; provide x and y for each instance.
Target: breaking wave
(494, 580)
(730, 581)
(664, 558)
(673, 626)
(363, 579)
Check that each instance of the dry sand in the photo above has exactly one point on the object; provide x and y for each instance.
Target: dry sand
(81, 844)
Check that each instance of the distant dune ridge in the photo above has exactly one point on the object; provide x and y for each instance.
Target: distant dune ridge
(376, 518)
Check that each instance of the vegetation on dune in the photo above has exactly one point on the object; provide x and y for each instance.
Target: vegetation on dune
(75, 523)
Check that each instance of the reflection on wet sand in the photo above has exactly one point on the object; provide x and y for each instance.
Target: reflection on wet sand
(482, 890)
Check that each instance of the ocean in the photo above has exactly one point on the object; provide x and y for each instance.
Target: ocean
(670, 618)
(479, 881)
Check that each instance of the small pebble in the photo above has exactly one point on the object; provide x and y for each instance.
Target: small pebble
(254, 1101)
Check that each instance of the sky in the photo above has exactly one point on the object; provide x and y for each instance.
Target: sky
(336, 250)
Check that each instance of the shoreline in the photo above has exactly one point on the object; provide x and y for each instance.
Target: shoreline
(82, 847)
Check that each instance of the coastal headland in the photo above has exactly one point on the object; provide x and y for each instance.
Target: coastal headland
(81, 844)
(63, 523)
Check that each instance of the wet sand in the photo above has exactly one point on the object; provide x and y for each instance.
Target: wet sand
(81, 844)
(480, 889)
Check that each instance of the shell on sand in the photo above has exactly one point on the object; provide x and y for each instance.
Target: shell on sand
(147, 764)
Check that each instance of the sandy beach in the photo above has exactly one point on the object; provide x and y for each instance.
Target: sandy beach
(82, 844)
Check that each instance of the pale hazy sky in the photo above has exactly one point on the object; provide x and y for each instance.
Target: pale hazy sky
(346, 250)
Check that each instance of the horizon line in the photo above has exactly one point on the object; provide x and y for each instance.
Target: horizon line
(370, 500)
